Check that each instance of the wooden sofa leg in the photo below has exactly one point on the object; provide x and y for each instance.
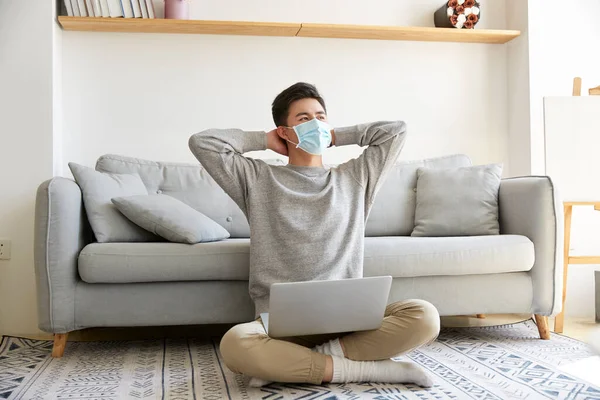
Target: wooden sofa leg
(60, 341)
(481, 316)
(542, 324)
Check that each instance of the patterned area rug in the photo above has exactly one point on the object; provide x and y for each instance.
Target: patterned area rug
(505, 362)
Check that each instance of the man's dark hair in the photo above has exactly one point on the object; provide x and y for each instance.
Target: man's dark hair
(298, 91)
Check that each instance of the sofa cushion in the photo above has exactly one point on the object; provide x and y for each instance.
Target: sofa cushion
(458, 201)
(403, 257)
(108, 224)
(229, 259)
(160, 262)
(392, 214)
(189, 183)
(170, 218)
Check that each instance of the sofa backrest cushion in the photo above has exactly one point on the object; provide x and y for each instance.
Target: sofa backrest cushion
(189, 183)
(393, 212)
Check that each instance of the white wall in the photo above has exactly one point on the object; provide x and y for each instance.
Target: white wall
(519, 121)
(26, 122)
(142, 95)
(543, 62)
(557, 56)
(57, 96)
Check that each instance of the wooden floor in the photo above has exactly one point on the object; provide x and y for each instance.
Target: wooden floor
(575, 328)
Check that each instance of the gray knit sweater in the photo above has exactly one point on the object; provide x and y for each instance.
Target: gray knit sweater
(306, 223)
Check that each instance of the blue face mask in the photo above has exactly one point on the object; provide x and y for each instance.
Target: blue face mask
(314, 136)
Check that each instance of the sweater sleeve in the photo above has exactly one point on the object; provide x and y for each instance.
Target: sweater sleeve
(385, 140)
(220, 151)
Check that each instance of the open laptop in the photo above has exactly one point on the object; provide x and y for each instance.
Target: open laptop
(318, 307)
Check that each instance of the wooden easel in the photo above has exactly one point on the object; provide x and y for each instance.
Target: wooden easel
(559, 321)
(577, 88)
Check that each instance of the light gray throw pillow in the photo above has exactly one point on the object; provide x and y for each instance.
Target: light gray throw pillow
(170, 218)
(458, 201)
(98, 188)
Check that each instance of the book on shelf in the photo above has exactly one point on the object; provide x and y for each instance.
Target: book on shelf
(150, 6)
(96, 7)
(144, 9)
(75, 8)
(82, 8)
(69, 8)
(115, 8)
(110, 8)
(90, 8)
(104, 8)
(137, 11)
(127, 8)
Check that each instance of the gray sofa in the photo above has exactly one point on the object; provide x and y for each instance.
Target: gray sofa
(83, 284)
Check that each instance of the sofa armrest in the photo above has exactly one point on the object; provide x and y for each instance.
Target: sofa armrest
(530, 206)
(61, 231)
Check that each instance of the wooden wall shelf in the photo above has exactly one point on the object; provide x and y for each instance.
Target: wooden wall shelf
(424, 34)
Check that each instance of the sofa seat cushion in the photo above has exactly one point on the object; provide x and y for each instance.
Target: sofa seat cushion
(159, 262)
(405, 257)
(398, 256)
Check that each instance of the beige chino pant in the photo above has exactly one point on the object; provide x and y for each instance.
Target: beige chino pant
(247, 349)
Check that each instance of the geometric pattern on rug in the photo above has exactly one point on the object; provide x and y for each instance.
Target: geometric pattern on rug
(487, 363)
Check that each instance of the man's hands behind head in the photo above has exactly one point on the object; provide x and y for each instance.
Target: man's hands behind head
(276, 143)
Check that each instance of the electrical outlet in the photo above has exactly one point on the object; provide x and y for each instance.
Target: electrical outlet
(4, 249)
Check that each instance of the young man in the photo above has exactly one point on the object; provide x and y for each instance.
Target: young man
(308, 223)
